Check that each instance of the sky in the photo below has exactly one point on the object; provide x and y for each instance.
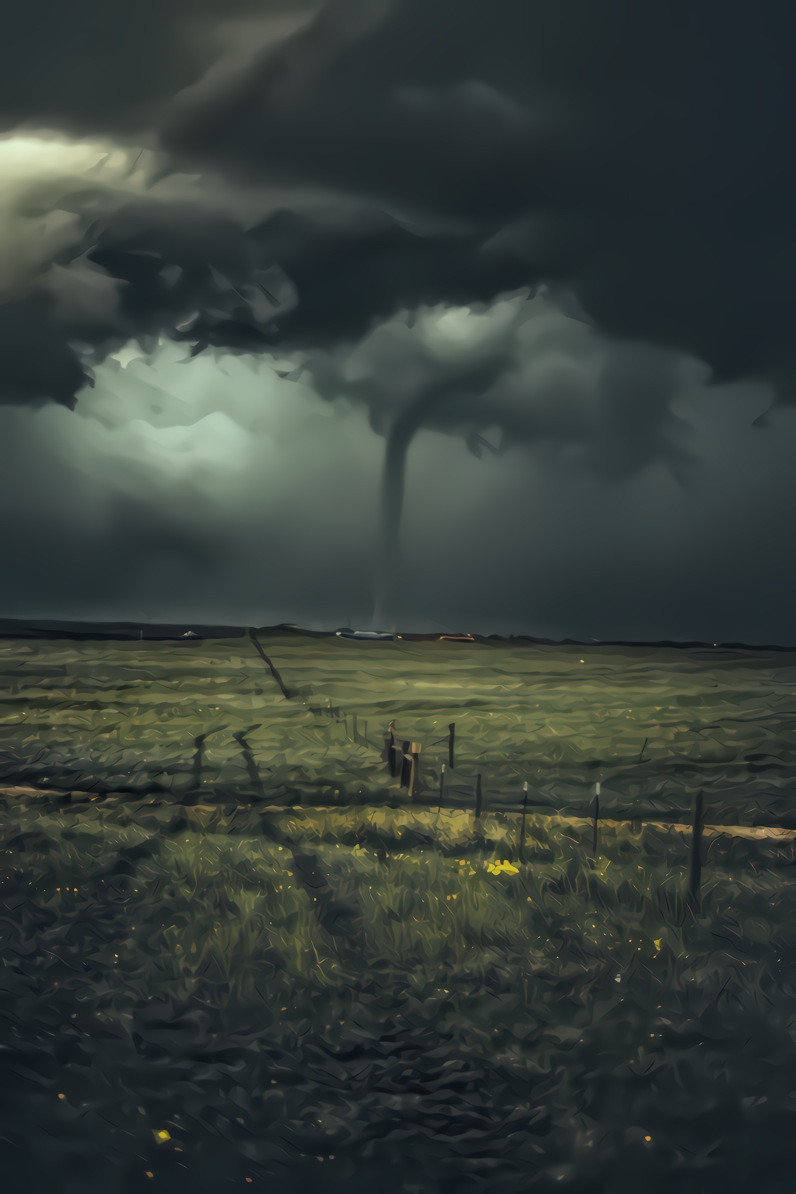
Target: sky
(460, 315)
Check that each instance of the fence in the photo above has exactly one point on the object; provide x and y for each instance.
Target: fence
(459, 790)
(467, 792)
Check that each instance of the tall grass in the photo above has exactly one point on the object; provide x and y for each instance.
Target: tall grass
(560, 1022)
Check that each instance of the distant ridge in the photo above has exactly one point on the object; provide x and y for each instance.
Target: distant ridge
(63, 628)
(20, 628)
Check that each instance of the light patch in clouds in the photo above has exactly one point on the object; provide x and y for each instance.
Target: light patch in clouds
(523, 367)
(217, 491)
(228, 413)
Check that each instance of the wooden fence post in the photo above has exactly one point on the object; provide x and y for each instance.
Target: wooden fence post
(596, 819)
(451, 737)
(441, 787)
(354, 734)
(406, 764)
(478, 796)
(414, 775)
(391, 748)
(196, 768)
(696, 852)
(522, 826)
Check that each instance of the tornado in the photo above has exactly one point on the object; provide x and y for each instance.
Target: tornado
(389, 557)
(389, 563)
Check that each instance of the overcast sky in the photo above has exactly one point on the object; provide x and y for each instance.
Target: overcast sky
(463, 314)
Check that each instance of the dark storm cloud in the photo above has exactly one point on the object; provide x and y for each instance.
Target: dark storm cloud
(108, 255)
(37, 361)
(354, 270)
(90, 261)
(640, 151)
(516, 372)
(402, 201)
(181, 269)
(636, 152)
(103, 66)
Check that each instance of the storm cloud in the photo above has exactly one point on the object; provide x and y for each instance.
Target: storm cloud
(210, 490)
(641, 152)
(636, 152)
(97, 248)
(529, 238)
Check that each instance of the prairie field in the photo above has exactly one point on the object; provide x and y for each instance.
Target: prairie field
(235, 955)
(206, 718)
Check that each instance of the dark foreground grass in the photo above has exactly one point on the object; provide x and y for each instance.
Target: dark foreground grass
(204, 998)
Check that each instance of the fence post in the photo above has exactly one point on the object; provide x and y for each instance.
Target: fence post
(406, 764)
(354, 734)
(522, 826)
(441, 787)
(478, 796)
(696, 853)
(414, 775)
(451, 737)
(391, 748)
(596, 819)
(195, 781)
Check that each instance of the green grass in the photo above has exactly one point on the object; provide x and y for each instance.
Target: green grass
(249, 964)
(126, 717)
(170, 970)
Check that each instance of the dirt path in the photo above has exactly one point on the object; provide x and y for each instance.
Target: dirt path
(310, 865)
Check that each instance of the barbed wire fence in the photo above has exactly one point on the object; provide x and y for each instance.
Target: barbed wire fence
(466, 791)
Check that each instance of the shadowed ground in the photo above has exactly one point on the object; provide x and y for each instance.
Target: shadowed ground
(207, 994)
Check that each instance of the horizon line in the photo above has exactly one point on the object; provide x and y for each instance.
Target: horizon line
(76, 628)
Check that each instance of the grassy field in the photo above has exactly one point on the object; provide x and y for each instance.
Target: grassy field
(202, 989)
(205, 719)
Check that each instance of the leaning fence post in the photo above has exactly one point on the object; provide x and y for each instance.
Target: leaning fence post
(441, 787)
(478, 796)
(414, 774)
(696, 853)
(522, 825)
(596, 819)
(451, 736)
